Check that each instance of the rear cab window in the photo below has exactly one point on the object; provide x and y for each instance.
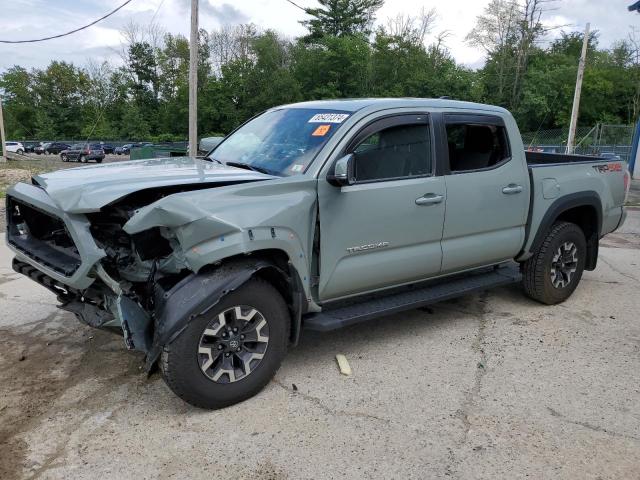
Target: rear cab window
(476, 142)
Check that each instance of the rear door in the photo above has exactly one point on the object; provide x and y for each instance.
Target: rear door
(487, 192)
(385, 229)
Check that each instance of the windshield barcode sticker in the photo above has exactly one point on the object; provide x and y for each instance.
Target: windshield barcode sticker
(329, 118)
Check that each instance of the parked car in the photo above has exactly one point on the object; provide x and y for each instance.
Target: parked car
(316, 215)
(124, 149)
(30, 146)
(55, 148)
(107, 149)
(82, 153)
(610, 156)
(15, 147)
(41, 148)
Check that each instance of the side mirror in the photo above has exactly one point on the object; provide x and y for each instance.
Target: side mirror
(343, 171)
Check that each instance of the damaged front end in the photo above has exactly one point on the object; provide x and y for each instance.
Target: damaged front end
(144, 267)
(106, 277)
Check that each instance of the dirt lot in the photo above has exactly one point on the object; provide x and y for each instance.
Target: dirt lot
(489, 386)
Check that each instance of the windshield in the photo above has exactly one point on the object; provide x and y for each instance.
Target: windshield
(280, 142)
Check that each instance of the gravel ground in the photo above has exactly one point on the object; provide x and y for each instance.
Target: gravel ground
(489, 386)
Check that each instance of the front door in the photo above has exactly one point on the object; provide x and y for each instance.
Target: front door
(384, 229)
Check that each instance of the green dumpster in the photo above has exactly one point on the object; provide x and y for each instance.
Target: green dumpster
(157, 151)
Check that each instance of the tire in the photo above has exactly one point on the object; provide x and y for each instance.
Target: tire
(64, 158)
(184, 361)
(553, 272)
(82, 159)
(98, 160)
(20, 151)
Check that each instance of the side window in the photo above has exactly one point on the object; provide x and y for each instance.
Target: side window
(396, 152)
(476, 146)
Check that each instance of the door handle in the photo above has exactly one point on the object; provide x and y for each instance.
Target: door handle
(511, 189)
(429, 199)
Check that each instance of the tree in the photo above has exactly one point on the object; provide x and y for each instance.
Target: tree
(495, 33)
(341, 18)
(20, 103)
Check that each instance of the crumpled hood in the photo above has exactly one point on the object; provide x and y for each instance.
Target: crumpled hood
(87, 189)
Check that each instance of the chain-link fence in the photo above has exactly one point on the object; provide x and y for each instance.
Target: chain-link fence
(614, 139)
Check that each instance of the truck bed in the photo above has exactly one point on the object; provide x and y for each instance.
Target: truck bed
(543, 158)
(559, 181)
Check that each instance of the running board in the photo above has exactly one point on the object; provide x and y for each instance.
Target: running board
(410, 298)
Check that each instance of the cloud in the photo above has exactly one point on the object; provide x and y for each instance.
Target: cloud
(225, 14)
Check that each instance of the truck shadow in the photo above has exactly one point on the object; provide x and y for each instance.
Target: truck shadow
(462, 312)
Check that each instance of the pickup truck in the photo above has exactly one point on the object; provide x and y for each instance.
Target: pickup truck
(316, 215)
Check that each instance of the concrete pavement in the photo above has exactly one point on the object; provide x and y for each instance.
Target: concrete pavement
(488, 386)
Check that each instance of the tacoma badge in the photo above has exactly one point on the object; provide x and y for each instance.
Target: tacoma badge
(369, 246)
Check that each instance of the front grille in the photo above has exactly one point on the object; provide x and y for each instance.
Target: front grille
(42, 237)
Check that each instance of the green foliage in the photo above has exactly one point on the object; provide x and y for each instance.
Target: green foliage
(339, 18)
(242, 71)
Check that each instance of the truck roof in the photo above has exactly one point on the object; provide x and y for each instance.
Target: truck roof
(355, 104)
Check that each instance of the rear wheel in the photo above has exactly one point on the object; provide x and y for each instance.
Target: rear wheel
(64, 157)
(552, 274)
(20, 151)
(83, 159)
(230, 353)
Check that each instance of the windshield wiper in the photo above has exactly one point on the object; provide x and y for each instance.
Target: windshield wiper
(248, 166)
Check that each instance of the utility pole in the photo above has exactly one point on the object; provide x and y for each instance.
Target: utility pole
(3, 157)
(576, 96)
(193, 81)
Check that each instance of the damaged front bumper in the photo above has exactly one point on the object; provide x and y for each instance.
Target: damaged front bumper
(36, 253)
(73, 272)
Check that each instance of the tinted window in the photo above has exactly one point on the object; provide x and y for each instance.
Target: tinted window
(396, 152)
(475, 147)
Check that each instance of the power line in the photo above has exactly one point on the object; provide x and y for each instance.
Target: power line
(156, 12)
(296, 5)
(72, 31)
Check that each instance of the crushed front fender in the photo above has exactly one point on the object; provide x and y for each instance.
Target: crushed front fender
(195, 295)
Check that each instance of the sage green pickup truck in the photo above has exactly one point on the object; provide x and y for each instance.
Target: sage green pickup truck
(316, 215)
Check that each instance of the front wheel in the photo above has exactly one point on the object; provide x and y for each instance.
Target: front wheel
(230, 353)
(83, 159)
(552, 273)
(64, 158)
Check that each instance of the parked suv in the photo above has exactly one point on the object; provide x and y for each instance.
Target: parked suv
(56, 147)
(15, 147)
(316, 215)
(82, 153)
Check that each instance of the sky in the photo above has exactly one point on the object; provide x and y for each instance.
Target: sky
(26, 19)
